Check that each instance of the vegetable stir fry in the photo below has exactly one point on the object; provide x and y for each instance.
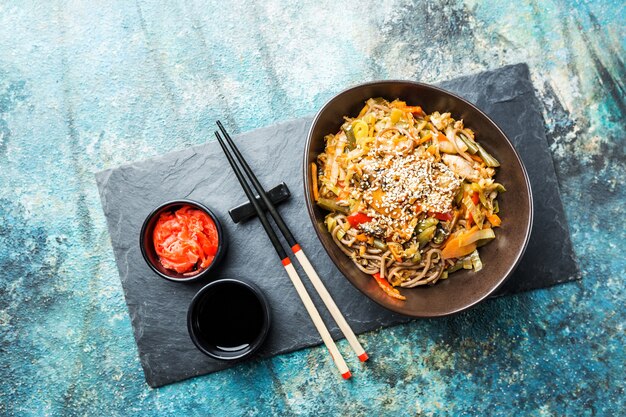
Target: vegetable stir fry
(411, 195)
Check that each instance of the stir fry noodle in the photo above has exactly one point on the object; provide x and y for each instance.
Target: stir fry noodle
(411, 195)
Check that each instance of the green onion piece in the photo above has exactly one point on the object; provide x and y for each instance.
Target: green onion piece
(489, 160)
(458, 197)
(341, 233)
(426, 236)
(331, 205)
(478, 216)
(467, 263)
(486, 233)
(444, 275)
(440, 236)
(496, 186)
(332, 188)
(379, 244)
(476, 262)
(482, 242)
(417, 257)
(426, 223)
(350, 135)
(496, 207)
(471, 146)
(331, 223)
(483, 199)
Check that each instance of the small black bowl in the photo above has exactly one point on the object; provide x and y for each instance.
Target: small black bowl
(228, 319)
(150, 255)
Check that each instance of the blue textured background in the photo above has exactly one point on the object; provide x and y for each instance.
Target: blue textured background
(84, 87)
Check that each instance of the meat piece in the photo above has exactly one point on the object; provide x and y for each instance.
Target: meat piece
(461, 167)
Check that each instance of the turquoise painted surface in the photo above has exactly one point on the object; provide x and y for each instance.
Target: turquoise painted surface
(84, 87)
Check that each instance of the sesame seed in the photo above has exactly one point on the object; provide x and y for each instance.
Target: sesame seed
(407, 180)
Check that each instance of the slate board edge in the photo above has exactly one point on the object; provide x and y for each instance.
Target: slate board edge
(101, 178)
(568, 237)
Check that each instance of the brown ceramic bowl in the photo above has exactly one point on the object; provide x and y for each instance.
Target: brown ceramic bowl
(463, 289)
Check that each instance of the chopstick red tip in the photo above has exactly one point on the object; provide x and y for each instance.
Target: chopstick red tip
(363, 357)
(286, 261)
(295, 248)
(347, 375)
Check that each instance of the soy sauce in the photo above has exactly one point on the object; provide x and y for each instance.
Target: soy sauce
(230, 318)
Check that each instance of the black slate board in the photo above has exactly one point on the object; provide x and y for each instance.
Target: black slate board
(158, 308)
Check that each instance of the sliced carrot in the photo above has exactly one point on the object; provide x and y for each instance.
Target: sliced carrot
(441, 137)
(464, 243)
(476, 158)
(494, 219)
(316, 194)
(475, 234)
(454, 250)
(387, 288)
(414, 109)
(363, 111)
(361, 237)
(428, 136)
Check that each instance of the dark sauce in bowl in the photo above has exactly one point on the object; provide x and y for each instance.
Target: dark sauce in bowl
(228, 319)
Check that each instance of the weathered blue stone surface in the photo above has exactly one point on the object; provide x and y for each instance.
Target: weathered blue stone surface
(85, 87)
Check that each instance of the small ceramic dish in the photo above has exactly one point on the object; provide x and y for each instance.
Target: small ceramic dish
(152, 258)
(228, 319)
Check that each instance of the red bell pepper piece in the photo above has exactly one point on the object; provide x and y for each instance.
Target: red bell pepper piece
(358, 218)
(444, 217)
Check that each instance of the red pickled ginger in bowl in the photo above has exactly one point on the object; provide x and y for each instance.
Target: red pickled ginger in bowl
(185, 240)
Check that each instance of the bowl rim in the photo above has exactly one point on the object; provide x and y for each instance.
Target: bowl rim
(221, 245)
(309, 203)
(258, 342)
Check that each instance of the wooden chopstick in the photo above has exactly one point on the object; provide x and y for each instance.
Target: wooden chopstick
(299, 253)
(291, 271)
